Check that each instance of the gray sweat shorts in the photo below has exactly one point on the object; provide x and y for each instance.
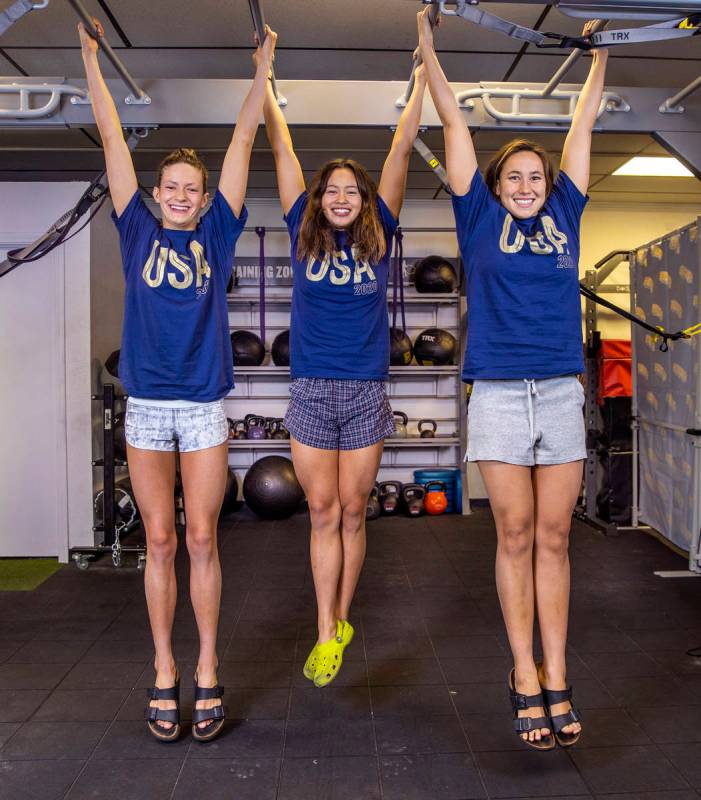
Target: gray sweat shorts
(168, 428)
(526, 422)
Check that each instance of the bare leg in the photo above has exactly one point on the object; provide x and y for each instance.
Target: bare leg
(556, 488)
(357, 471)
(204, 480)
(152, 474)
(511, 498)
(317, 472)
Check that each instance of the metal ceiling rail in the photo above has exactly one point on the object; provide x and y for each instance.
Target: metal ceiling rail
(26, 91)
(259, 25)
(138, 96)
(610, 101)
(671, 104)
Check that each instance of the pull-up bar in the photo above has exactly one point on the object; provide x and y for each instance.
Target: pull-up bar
(671, 104)
(434, 15)
(137, 95)
(259, 25)
(570, 61)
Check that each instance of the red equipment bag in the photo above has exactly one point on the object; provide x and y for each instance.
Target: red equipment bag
(615, 379)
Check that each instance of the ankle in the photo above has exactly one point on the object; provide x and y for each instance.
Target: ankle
(327, 631)
(552, 677)
(165, 667)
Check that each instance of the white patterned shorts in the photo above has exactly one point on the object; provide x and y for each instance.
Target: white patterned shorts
(197, 427)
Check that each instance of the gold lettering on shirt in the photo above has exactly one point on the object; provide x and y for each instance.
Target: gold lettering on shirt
(537, 244)
(320, 274)
(362, 267)
(186, 273)
(201, 266)
(342, 272)
(155, 279)
(518, 241)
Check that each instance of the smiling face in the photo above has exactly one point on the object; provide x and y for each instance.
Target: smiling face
(181, 196)
(521, 186)
(341, 201)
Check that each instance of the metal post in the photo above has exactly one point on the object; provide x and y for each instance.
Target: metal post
(434, 15)
(259, 25)
(571, 60)
(591, 469)
(635, 424)
(137, 95)
(671, 104)
(110, 534)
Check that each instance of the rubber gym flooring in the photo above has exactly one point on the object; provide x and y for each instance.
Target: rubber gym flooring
(419, 710)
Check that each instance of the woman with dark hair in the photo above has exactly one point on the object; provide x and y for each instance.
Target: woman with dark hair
(176, 365)
(341, 231)
(518, 231)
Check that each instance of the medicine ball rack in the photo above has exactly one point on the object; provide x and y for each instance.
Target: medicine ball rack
(445, 381)
(111, 542)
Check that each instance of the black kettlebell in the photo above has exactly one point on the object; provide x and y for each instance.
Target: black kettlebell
(237, 429)
(269, 422)
(413, 498)
(278, 430)
(400, 423)
(427, 433)
(255, 426)
(374, 509)
(389, 496)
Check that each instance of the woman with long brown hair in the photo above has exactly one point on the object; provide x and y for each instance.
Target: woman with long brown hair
(518, 231)
(341, 230)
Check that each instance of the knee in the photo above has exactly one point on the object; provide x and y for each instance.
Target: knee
(161, 540)
(354, 516)
(516, 538)
(324, 514)
(553, 539)
(201, 541)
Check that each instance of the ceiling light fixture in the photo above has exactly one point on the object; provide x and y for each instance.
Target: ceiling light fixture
(654, 166)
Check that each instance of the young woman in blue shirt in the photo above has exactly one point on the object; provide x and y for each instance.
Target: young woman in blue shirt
(176, 365)
(341, 231)
(518, 231)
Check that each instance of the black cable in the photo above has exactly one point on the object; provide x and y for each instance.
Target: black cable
(664, 335)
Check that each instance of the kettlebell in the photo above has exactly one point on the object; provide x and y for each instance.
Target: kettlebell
(239, 429)
(255, 427)
(269, 422)
(413, 496)
(278, 430)
(400, 423)
(435, 501)
(427, 433)
(373, 509)
(389, 496)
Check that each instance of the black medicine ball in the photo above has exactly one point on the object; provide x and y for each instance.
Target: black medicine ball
(248, 349)
(434, 274)
(435, 347)
(400, 350)
(271, 488)
(281, 349)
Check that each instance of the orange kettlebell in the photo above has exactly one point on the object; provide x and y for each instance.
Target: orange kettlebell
(435, 501)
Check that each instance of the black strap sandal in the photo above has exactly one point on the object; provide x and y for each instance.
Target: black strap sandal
(520, 702)
(552, 697)
(214, 716)
(155, 715)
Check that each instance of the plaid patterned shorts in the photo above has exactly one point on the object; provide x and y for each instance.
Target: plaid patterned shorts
(336, 414)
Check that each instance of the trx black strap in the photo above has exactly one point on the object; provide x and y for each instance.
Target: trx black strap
(59, 232)
(679, 28)
(398, 278)
(16, 11)
(666, 336)
(425, 152)
(261, 280)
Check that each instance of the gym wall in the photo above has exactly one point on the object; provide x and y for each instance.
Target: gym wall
(45, 472)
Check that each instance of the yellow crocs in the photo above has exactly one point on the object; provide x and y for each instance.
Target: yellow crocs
(310, 663)
(329, 655)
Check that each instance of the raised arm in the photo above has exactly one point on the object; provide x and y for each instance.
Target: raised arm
(460, 158)
(234, 174)
(393, 179)
(576, 152)
(290, 178)
(120, 168)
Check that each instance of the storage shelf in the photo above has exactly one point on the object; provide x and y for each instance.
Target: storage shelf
(277, 297)
(410, 370)
(283, 444)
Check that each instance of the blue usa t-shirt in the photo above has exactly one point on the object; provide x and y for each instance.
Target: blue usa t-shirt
(175, 339)
(339, 326)
(524, 312)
